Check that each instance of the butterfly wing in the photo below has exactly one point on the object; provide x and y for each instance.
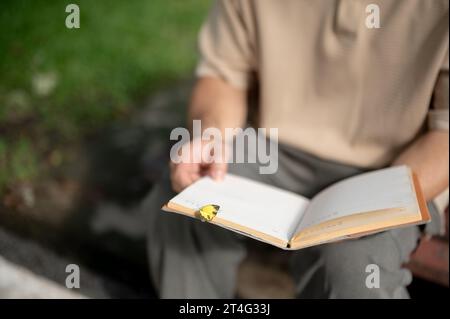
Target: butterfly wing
(208, 212)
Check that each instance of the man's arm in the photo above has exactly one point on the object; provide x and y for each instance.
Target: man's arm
(217, 104)
(429, 159)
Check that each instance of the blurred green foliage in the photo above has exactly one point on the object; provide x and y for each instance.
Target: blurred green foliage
(68, 82)
(22, 164)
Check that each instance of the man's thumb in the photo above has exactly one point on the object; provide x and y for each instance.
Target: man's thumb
(218, 170)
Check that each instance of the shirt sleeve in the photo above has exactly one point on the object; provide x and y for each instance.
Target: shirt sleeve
(224, 45)
(438, 116)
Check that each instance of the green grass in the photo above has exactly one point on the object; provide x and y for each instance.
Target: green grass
(124, 50)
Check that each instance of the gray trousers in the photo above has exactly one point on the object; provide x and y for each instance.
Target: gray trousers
(191, 259)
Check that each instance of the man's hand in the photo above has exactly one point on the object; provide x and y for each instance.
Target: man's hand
(185, 173)
(429, 158)
(217, 104)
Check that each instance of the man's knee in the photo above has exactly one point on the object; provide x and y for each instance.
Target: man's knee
(344, 265)
(369, 267)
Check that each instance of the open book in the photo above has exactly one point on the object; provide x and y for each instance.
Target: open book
(357, 206)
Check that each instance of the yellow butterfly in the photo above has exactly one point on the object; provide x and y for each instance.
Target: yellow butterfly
(208, 212)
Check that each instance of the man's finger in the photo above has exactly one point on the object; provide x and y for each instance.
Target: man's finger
(217, 171)
(182, 177)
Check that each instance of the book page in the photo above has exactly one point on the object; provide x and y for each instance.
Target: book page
(378, 190)
(255, 205)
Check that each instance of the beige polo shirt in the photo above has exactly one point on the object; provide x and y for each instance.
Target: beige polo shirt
(331, 85)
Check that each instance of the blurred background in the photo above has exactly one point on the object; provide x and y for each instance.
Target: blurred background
(85, 116)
